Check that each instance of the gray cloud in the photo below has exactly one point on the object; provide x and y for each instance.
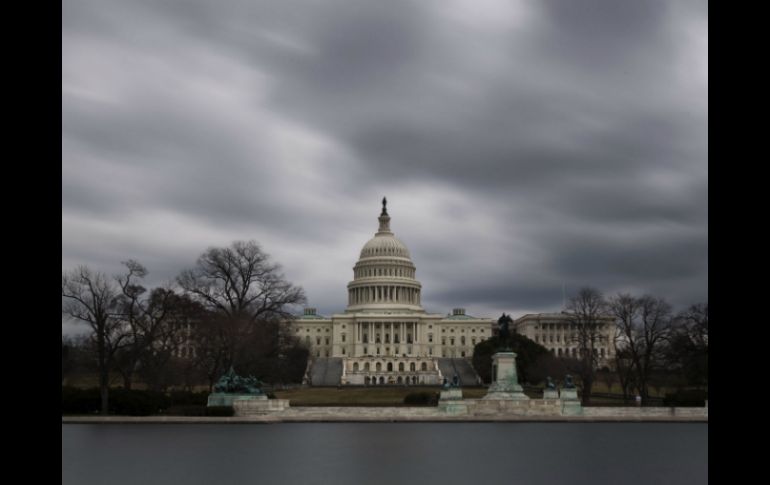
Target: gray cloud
(522, 144)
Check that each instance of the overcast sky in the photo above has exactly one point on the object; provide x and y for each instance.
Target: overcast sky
(522, 144)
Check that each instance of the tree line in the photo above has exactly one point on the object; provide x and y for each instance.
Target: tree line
(229, 309)
(652, 344)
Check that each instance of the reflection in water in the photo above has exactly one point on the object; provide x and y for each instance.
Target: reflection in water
(387, 453)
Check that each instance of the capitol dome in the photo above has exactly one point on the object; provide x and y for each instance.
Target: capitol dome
(384, 245)
(384, 276)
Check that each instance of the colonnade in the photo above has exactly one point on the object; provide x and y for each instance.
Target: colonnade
(407, 332)
(383, 294)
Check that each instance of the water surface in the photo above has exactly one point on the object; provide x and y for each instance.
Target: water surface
(386, 453)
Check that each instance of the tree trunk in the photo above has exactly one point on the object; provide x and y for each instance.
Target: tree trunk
(586, 398)
(104, 373)
(127, 381)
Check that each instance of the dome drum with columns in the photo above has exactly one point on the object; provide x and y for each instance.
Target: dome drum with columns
(385, 336)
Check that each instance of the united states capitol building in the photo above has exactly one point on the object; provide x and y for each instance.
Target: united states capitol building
(384, 335)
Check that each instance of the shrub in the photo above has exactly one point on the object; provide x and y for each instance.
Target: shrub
(220, 411)
(421, 399)
(80, 401)
(187, 410)
(121, 401)
(137, 403)
(686, 398)
(187, 398)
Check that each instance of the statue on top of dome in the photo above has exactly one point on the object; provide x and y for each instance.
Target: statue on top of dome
(384, 207)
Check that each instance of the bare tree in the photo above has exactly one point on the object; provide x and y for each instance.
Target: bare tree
(586, 311)
(625, 308)
(687, 352)
(131, 311)
(246, 291)
(92, 298)
(643, 328)
(655, 329)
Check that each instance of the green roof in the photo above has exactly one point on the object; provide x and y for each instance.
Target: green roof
(459, 317)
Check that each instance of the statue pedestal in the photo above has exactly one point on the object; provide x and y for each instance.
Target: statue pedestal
(251, 407)
(451, 401)
(225, 399)
(451, 394)
(506, 383)
(570, 404)
(550, 394)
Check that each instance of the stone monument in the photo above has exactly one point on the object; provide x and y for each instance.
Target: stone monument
(506, 383)
(231, 386)
(451, 399)
(550, 391)
(570, 404)
(245, 395)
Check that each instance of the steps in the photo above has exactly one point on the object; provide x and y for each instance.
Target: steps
(326, 371)
(460, 366)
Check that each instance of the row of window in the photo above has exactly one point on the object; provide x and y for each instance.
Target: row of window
(395, 272)
(473, 330)
(566, 352)
(389, 367)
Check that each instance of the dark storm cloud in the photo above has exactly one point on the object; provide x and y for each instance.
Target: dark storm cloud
(523, 144)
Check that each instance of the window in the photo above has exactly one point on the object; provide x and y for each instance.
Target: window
(412, 367)
(318, 341)
(430, 338)
(424, 366)
(327, 340)
(343, 337)
(401, 367)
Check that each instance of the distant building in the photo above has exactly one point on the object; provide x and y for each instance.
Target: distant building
(557, 333)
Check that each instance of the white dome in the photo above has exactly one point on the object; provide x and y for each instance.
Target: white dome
(384, 276)
(384, 245)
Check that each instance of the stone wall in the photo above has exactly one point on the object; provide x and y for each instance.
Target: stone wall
(251, 407)
(645, 412)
